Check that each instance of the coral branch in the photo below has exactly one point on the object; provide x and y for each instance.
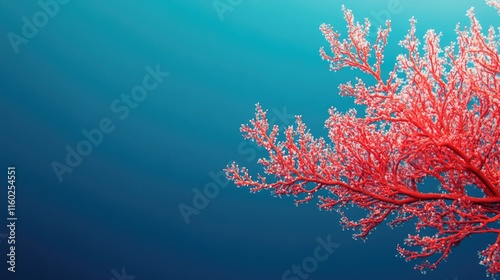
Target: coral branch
(436, 115)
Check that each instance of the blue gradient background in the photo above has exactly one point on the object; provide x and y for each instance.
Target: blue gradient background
(119, 207)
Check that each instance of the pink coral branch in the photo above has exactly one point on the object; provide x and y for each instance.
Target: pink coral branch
(495, 3)
(436, 115)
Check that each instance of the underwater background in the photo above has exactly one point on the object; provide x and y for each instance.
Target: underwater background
(117, 212)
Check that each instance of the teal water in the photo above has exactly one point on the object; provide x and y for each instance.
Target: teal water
(118, 207)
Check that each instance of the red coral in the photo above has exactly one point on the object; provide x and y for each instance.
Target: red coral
(437, 115)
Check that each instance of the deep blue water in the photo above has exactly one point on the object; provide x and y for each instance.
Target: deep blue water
(119, 205)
